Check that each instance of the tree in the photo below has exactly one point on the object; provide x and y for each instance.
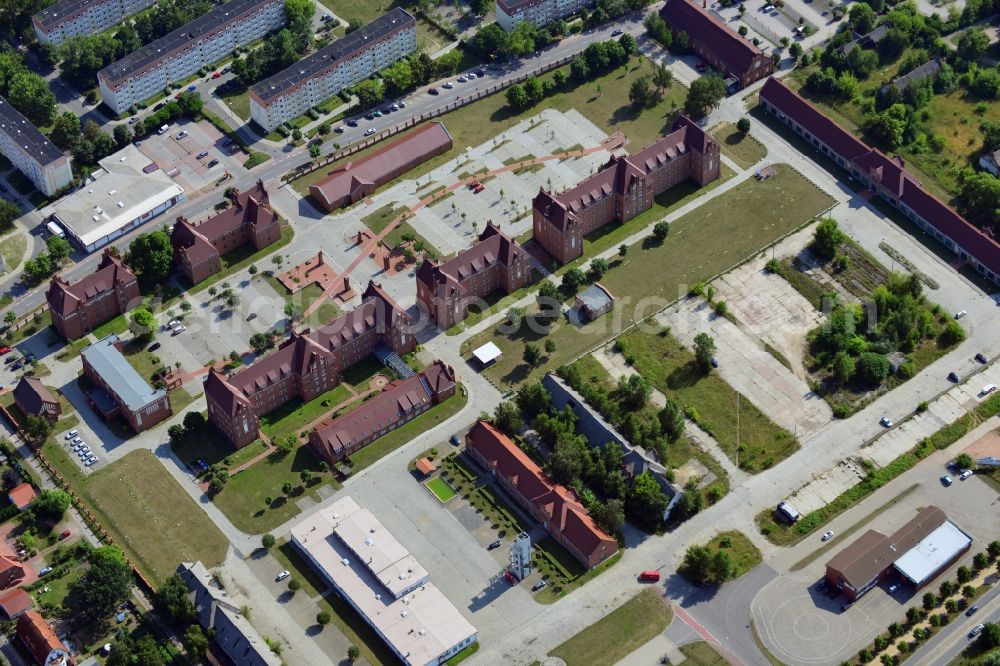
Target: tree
(660, 231)
(370, 92)
(294, 585)
(51, 504)
(952, 334)
(355, 24)
(705, 93)
(550, 346)
(176, 433)
(980, 561)
(29, 93)
(704, 350)
(889, 126)
(872, 368)
(517, 98)
(37, 427)
(722, 567)
(635, 390)
(38, 268)
(646, 502)
(150, 255)
(843, 367)
(293, 311)
(930, 600)
(172, 603)
(353, 653)
(267, 541)
(260, 342)
(697, 564)
(598, 267)
(663, 78)
(672, 418)
(65, 130)
(913, 615)
(103, 586)
(314, 150)
(122, 135)
(195, 641)
(507, 417)
(573, 279)
(194, 420)
(613, 516)
(978, 195)
(827, 239)
(58, 247)
(973, 44)
(622, 250)
(532, 355)
(642, 94)
(323, 618)
(142, 323)
(127, 651)
(990, 636)
(743, 125)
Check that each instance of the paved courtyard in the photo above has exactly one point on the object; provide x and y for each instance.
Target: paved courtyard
(169, 152)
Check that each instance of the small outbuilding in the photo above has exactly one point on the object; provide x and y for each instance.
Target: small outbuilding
(425, 466)
(487, 355)
(33, 397)
(22, 495)
(594, 301)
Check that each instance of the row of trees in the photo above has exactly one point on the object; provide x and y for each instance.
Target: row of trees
(405, 75)
(44, 264)
(26, 91)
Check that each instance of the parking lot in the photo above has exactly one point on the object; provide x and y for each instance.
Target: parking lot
(174, 150)
(820, 632)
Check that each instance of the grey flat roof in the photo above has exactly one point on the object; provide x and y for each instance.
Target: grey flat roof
(309, 67)
(27, 135)
(170, 42)
(117, 372)
(594, 297)
(55, 14)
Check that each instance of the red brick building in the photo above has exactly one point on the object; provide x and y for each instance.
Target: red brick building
(306, 365)
(623, 188)
(357, 179)
(41, 641)
(198, 249)
(555, 507)
(717, 44)
(33, 397)
(119, 390)
(493, 262)
(80, 307)
(399, 403)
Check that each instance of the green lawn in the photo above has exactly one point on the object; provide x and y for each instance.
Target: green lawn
(608, 108)
(305, 298)
(210, 445)
(619, 633)
(145, 511)
(57, 589)
(395, 439)
(497, 302)
(238, 100)
(116, 325)
(12, 249)
(381, 217)
(750, 216)
(671, 368)
(441, 489)
(296, 415)
(359, 375)
(242, 257)
(701, 653)
(744, 554)
(741, 148)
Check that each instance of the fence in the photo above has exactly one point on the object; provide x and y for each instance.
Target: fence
(309, 167)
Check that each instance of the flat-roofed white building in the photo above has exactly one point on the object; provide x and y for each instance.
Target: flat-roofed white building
(933, 553)
(72, 18)
(202, 42)
(379, 578)
(127, 191)
(323, 74)
(31, 152)
(540, 12)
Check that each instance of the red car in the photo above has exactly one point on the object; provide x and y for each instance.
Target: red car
(511, 578)
(5, 350)
(64, 535)
(651, 576)
(216, 75)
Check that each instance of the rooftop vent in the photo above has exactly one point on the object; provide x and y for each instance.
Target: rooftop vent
(345, 561)
(422, 631)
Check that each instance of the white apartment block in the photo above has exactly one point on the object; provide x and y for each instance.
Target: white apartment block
(31, 153)
(205, 40)
(539, 12)
(71, 18)
(347, 61)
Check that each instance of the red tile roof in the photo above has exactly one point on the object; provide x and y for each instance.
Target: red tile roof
(41, 640)
(564, 512)
(492, 247)
(706, 28)
(889, 172)
(14, 602)
(22, 495)
(64, 297)
(428, 140)
(425, 466)
(252, 207)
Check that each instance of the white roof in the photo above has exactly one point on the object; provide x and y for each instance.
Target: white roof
(487, 353)
(115, 195)
(925, 560)
(421, 624)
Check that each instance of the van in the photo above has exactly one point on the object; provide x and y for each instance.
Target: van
(163, 130)
(650, 576)
(989, 388)
(788, 512)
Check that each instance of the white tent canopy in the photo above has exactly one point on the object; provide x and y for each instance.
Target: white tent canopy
(487, 354)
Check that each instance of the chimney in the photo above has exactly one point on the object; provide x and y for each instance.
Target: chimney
(319, 258)
(385, 263)
(347, 284)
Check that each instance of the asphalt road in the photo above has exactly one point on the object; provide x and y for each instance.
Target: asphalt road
(949, 642)
(287, 157)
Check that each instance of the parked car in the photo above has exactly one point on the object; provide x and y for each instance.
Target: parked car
(972, 611)
(352, 123)
(893, 588)
(976, 630)
(395, 107)
(282, 575)
(511, 578)
(377, 114)
(173, 322)
(966, 473)
(981, 358)
(177, 330)
(960, 314)
(153, 347)
(495, 544)
(461, 79)
(5, 350)
(454, 440)
(827, 535)
(615, 33)
(945, 480)
(649, 576)
(212, 163)
(45, 570)
(192, 88)
(433, 91)
(92, 460)
(65, 535)
(11, 359)
(886, 422)
(989, 388)
(480, 72)
(340, 129)
(953, 376)
(133, 120)
(471, 76)
(369, 131)
(540, 585)
(77, 440)
(182, 134)
(216, 75)
(203, 154)
(71, 434)
(402, 105)
(449, 85)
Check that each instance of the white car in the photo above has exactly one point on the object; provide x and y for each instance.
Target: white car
(173, 323)
(976, 630)
(886, 421)
(448, 84)
(826, 536)
(72, 433)
(181, 135)
(77, 440)
(282, 575)
(960, 314)
(966, 473)
(179, 329)
(369, 131)
(471, 76)
(92, 460)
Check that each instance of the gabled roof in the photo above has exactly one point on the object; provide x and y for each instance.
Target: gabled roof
(32, 396)
(223, 394)
(427, 140)
(704, 27)
(22, 495)
(378, 310)
(252, 207)
(188, 242)
(64, 297)
(14, 602)
(888, 171)
(559, 504)
(108, 362)
(492, 247)
(41, 641)
(929, 69)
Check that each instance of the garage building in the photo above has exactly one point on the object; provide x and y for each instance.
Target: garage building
(918, 551)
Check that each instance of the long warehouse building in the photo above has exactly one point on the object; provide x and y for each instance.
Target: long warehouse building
(323, 74)
(31, 153)
(73, 18)
(200, 43)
